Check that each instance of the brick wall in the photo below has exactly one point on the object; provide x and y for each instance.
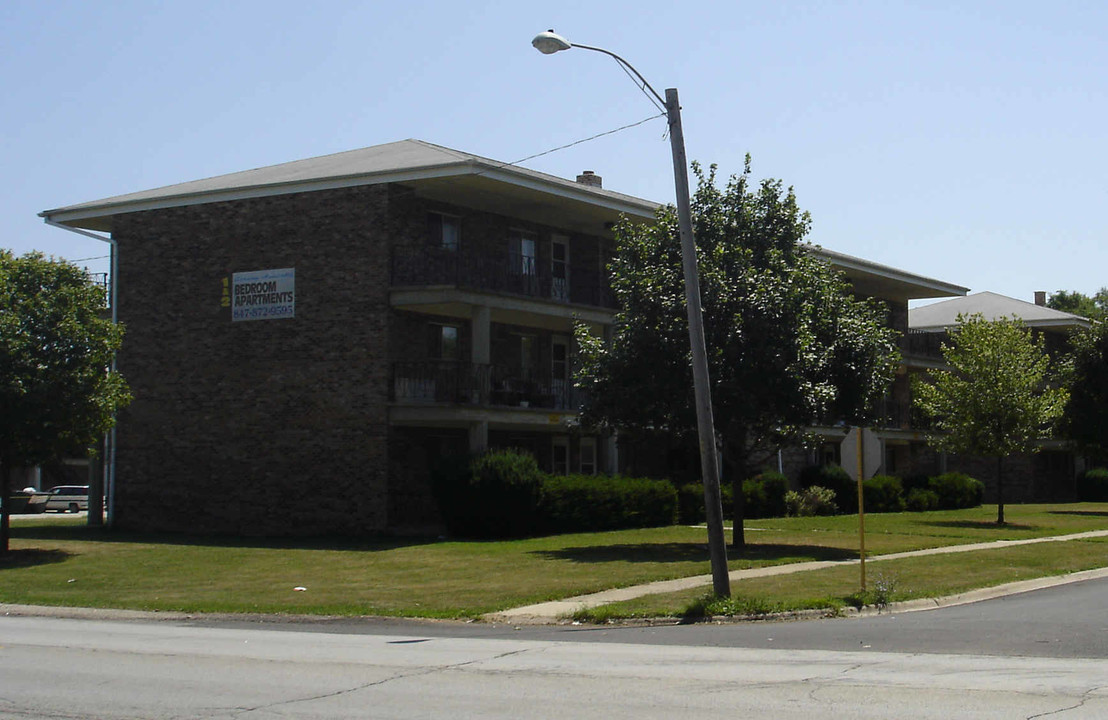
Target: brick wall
(272, 427)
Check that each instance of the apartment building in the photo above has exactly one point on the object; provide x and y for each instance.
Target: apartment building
(1049, 474)
(305, 341)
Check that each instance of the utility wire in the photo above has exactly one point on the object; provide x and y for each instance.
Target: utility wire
(584, 140)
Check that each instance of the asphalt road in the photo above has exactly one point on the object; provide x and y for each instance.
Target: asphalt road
(1024, 656)
(1067, 621)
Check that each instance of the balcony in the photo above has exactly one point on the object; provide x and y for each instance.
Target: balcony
(513, 275)
(479, 385)
(918, 343)
(103, 282)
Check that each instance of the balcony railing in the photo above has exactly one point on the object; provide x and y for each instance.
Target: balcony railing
(892, 415)
(477, 384)
(923, 344)
(512, 274)
(102, 281)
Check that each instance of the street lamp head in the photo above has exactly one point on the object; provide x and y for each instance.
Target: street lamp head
(550, 42)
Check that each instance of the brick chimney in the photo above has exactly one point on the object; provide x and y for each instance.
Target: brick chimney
(588, 177)
(1040, 298)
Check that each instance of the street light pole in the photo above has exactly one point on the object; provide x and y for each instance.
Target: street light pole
(548, 43)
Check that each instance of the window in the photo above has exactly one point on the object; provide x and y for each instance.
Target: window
(587, 461)
(559, 371)
(560, 455)
(522, 253)
(442, 342)
(559, 267)
(528, 345)
(444, 231)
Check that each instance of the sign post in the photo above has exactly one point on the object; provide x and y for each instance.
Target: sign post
(865, 446)
(861, 506)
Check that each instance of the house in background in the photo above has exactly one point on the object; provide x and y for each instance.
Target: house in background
(1050, 473)
(305, 341)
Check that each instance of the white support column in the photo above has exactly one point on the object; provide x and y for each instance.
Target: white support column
(479, 436)
(611, 455)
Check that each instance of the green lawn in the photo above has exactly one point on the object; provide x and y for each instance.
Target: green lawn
(57, 561)
(900, 579)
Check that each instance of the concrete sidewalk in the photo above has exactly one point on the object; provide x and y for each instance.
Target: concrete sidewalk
(555, 609)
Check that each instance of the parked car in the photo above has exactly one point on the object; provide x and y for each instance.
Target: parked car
(67, 498)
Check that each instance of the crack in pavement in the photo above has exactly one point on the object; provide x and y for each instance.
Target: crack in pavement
(1085, 697)
(400, 676)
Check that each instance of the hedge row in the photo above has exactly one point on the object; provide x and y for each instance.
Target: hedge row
(503, 493)
(1092, 485)
(764, 495)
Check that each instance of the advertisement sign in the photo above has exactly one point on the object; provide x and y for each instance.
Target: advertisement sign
(263, 294)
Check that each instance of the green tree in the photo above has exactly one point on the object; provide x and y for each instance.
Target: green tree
(57, 392)
(997, 398)
(1094, 308)
(787, 343)
(1085, 419)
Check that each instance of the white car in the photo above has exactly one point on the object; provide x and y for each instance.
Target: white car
(67, 498)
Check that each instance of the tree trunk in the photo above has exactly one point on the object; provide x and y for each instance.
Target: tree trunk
(735, 452)
(5, 503)
(999, 491)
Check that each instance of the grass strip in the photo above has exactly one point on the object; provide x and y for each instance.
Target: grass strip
(56, 560)
(887, 581)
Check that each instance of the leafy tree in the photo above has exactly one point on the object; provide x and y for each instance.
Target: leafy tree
(787, 343)
(1095, 307)
(56, 389)
(998, 396)
(1085, 419)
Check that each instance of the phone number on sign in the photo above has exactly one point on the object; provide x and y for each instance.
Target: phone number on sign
(266, 312)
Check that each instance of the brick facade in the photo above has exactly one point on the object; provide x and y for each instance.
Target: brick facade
(260, 427)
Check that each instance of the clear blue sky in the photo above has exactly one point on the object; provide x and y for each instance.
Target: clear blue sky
(965, 141)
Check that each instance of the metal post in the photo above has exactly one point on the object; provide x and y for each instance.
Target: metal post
(861, 507)
(709, 467)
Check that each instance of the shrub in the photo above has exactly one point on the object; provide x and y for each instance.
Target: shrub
(834, 478)
(1092, 485)
(495, 495)
(957, 490)
(690, 503)
(883, 493)
(765, 495)
(921, 500)
(582, 503)
(814, 500)
(914, 481)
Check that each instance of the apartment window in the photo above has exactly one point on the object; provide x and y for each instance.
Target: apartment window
(560, 455)
(528, 355)
(559, 267)
(522, 253)
(559, 370)
(442, 342)
(444, 231)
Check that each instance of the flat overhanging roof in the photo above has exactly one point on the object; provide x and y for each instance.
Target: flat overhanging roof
(433, 171)
(459, 178)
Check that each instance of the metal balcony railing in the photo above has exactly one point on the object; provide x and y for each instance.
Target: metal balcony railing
(102, 281)
(923, 344)
(462, 383)
(513, 274)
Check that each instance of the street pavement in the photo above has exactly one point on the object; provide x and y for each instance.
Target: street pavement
(67, 668)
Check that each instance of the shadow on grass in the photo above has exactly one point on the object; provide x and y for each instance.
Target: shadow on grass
(83, 533)
(31, 557)
(978, 525)
(692, 552)
(1083, 513)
